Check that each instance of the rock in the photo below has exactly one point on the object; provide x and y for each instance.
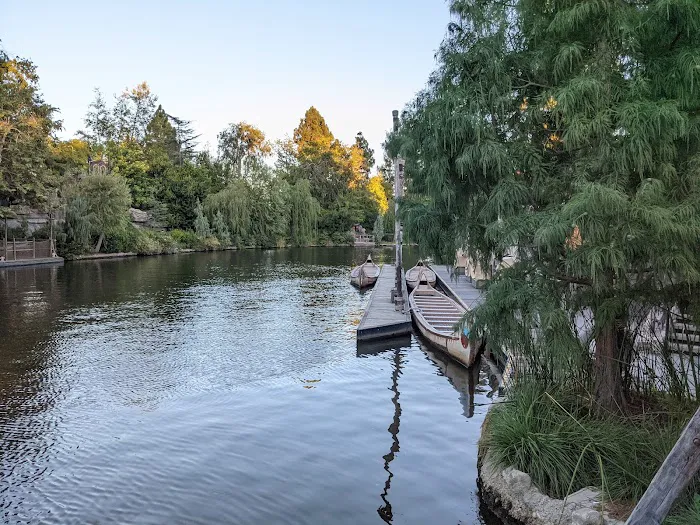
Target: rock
(138, 216)
(517, 481)
(586, 517)
(586, 497)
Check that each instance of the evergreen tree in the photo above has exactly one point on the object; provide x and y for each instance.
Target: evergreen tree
(312, 137)
(160, 144)
(571, 131)
(201, 223)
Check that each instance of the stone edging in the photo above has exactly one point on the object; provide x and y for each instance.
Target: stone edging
(512, 496)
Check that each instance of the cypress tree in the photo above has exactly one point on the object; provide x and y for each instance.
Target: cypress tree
(570, 131)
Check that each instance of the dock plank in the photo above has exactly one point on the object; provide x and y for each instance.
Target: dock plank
(381, 320)
(458, 286)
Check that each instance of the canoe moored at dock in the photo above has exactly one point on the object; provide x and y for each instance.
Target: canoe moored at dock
(436, 315)
(366, 274)
(413, 275)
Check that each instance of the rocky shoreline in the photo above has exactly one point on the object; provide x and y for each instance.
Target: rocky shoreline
(511, 495)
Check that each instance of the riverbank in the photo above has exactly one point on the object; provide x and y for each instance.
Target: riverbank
(545, 457)
(175, 251)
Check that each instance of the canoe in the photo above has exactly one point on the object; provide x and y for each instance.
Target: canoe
(366, 274)
(413, 275)
(436, 315)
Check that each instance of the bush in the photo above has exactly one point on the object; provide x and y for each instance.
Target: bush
(342, 238)
(186, 239)
(122, 239)
(210, 243)
(553, 436)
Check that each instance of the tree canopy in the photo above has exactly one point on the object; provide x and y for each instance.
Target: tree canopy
(568, 132)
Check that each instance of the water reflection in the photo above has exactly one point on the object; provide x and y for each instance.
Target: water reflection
(222, 388)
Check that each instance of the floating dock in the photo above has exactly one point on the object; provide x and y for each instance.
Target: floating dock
(43, 261)
(458, 286)
(381, 319)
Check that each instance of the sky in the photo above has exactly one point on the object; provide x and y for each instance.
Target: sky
(217, 62)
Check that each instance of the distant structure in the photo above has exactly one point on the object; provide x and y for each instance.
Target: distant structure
(99, 167)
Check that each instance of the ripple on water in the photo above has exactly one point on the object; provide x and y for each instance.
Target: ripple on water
(223, 388)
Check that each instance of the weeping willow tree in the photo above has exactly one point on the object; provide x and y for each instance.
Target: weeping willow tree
(304, 211)
(569, 131)
(234, 203)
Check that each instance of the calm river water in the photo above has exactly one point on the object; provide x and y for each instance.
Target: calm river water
(224, 388)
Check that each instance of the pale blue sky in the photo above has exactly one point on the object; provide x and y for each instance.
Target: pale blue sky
(216, 62)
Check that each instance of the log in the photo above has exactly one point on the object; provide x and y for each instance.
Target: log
(677, 471)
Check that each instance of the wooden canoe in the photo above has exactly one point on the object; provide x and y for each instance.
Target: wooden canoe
(435, 316)
(413, 275)
(366, 274)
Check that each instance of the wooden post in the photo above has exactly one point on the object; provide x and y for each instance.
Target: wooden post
(399, 299)
(676, 473)
(33, 247)
(14, 248)
(4, 242)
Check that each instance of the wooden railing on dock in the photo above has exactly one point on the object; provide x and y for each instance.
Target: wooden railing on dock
(20, 250)
(364, 240)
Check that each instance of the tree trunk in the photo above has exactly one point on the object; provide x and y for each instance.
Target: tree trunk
(99, 243)
(608, 370)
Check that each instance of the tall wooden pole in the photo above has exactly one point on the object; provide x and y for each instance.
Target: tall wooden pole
(399, 299)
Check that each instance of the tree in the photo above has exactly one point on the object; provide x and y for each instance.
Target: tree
(186, 138)
(99, 123)
(367, 154)
(26, 122)
(240, 146)
(312, 137)
(160, 144)
(376, 189)
(220, 230)
(555, 129)
(132, 112)
(378, 229)
(304, 211)
(201, 223)
(103, 203)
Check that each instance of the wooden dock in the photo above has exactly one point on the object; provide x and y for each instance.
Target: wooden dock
(39, 261)
(381, 320)
(459, 286)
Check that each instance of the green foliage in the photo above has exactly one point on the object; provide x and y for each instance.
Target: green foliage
(78, 225)
(220, 230)
(186, 239)
(201, 223)
(242, 146)
(570, 133)
(304, 211)
(26, 122)
(378, 229)
(97, 206)
(161, 147)
(690, 515)
(553, 436)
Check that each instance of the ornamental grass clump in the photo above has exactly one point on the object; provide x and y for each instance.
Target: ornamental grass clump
(553, 435)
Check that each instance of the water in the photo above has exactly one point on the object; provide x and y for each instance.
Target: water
(224, 388)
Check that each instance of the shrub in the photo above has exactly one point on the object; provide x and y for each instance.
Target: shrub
(553, 436)
(342, 238)
(122, 239)
(186, 239)
(210, 243)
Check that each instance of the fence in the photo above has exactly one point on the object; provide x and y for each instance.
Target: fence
(33, 249)
(362, 240)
